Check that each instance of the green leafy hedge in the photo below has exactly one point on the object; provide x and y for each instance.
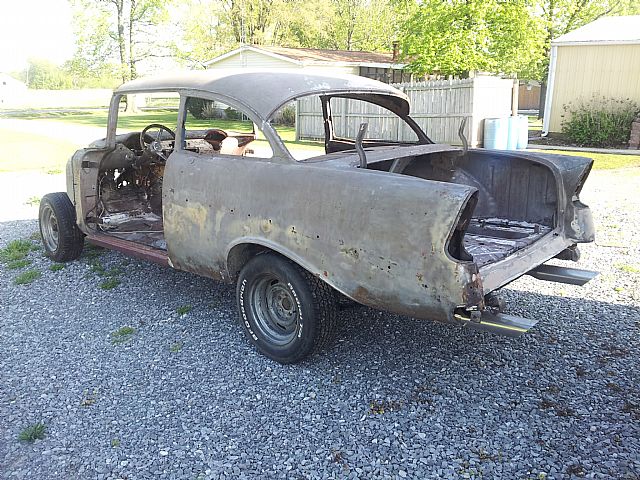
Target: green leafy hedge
(599, 122)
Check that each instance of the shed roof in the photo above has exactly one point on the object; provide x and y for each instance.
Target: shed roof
(316, 56)
(264, 91)
(605, 30)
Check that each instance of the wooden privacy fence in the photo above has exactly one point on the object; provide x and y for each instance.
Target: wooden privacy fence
(437, 106)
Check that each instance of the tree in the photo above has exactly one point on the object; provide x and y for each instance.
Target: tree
(455, 37)
(130, 27)
(93, 63)
(363, 25)
(42, 74)
(216, 26)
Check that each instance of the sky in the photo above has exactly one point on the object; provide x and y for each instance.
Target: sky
(34, 28)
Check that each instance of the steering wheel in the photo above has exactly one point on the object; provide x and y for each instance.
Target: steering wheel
(152, 142)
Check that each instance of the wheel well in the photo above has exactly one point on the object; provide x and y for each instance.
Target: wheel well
(240, 254)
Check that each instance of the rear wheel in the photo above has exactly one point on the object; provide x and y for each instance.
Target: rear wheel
(286, 312)
(61, 237)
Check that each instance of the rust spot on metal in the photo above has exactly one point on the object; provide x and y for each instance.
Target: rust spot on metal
(362, 295)
(352, 252)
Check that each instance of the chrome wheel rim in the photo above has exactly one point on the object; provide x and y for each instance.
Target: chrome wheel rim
(275, 309)
(49, 229)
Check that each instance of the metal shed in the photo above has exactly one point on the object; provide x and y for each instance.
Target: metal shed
(601, 58)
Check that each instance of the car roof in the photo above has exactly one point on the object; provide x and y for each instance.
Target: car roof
(264, 91)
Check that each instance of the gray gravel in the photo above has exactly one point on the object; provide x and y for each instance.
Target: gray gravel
(187, 397)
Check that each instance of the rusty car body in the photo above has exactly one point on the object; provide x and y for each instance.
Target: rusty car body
(417, 228)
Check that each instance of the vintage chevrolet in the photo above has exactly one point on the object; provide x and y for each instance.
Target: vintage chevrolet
(405, 225)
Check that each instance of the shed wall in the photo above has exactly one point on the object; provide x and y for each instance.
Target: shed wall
(583, 71)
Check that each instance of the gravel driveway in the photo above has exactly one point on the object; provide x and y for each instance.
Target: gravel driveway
(185, 396)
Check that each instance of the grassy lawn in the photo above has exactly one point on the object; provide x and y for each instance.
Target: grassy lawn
(22, 151)
(25, 151)
(602, 161)
(128, 122)
(535, 123)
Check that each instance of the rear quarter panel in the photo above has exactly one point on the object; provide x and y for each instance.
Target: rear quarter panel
(378, 238)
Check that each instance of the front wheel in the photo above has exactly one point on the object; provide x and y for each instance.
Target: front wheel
(61, 237)
(286, 312)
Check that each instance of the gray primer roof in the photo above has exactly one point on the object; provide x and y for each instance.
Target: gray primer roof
(265, 91)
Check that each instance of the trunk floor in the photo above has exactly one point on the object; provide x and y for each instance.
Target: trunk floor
(489, 240)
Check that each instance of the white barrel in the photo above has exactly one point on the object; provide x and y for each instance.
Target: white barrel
(514, 127)
(523, 132)
(496, 133)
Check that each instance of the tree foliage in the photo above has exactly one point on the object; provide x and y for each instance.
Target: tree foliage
(116, 37)
(42, 74)
(214, 26)
(113, 36)
(457, 36)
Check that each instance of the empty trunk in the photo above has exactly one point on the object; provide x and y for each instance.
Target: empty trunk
(517, 203)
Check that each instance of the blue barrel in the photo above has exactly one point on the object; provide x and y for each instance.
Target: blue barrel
(496, 133)
(514, 127)
(523, 132)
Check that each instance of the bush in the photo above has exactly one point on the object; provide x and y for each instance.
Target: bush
(198, 106)
(206, 109)
(232, 114)
(285, 116)
(600, 122)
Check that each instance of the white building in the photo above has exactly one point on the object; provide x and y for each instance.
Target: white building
(380, 66)
(10, 90)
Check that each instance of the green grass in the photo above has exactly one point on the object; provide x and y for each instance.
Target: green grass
(17, 264)
(623, 267)
(535, 123)
(21, 151)
(92, 252)
(183, 309)
(32, 433)
(129, 122)
(176, 347)
(110, 283)
(122, 335)
(27, 277)
(97, 267)
(601, 161)
(33, 201)
(56, 267)
(14, 157)
(16, 250)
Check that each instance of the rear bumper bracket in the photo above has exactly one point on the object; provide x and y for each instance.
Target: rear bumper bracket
(553, 273)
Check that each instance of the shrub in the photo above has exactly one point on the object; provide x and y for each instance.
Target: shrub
(600, 122)
(285, 116)
(198, 106)
(232, 114)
